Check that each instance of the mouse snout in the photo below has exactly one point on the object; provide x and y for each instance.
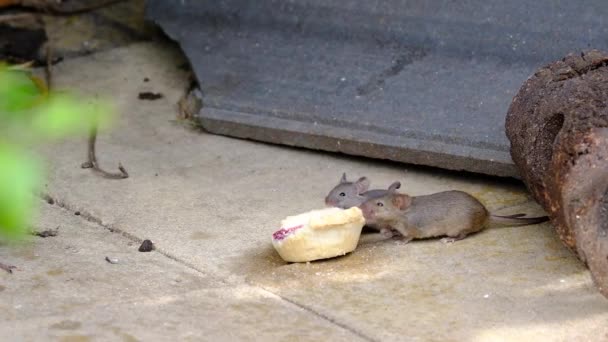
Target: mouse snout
(330, 202)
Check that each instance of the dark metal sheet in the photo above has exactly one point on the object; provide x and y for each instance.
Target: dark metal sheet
(424, 82)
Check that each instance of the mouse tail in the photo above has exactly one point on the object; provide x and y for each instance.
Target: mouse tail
(517, 220)
(511, 216)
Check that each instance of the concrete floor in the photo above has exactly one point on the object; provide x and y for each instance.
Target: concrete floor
(210, 204)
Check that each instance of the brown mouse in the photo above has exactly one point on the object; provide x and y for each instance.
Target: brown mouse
(352, 194)
(454, 214)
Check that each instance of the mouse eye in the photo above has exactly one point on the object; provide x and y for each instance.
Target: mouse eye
(342, 194)
(380, 204)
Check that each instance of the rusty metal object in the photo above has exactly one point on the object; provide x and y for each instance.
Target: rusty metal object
(558, 128)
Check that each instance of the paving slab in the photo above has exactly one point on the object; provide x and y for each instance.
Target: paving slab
(424, 82)
(212, 202)
(511, 285)
(63, 289)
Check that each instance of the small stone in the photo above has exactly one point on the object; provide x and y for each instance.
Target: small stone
(146, 246)
(86, 165)
(486, 296)
(112, 260)
(47, 233)
(77, 213)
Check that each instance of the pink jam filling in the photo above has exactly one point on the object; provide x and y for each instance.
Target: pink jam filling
(284, 232)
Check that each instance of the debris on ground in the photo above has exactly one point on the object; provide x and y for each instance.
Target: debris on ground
(189, 104)
(46, 233)
(146, 246)
(148, 95)
(111, 260)
(7, 268)
(47, 198)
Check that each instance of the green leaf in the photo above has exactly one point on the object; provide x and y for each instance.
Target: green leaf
(17, 91)
(20, 176)
(64, 115)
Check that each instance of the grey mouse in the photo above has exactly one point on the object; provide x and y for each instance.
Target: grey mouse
(352, 194)
(454, 214)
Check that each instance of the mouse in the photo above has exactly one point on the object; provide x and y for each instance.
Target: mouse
(453, 214)
(347, 194)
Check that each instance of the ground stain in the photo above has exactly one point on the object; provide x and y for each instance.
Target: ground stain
(555, 257)
(66, 325)
(39, 282)
(264, 267)
(257, 262)
(398, 63)
(25, 253)
(71, 307)
(2, 288)
(126, 337)
(75, 338)
(493, 198)
(200, 236)
(55, 272)
(554, 245)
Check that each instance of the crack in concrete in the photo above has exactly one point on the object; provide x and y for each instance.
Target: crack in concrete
(91, 218)
(320, 315)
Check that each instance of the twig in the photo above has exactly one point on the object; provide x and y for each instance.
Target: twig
(92, 163)
(7, 268)
(48, 72)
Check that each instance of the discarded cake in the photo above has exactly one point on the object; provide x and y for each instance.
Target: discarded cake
(319, 234)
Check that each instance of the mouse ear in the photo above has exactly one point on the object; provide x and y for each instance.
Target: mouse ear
(343, 179)
(394, 186)
(401, 201)
(362, 184)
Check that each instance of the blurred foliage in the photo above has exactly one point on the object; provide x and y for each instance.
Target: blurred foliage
(30, 115)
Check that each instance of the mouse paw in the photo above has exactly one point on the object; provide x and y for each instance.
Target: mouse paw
(403, 240)
(388, 233)
(448, 240)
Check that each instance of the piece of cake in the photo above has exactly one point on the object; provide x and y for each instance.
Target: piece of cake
(319, 234)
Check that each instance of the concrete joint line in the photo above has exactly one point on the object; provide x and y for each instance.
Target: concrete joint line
(320, 315)
(91, 218)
